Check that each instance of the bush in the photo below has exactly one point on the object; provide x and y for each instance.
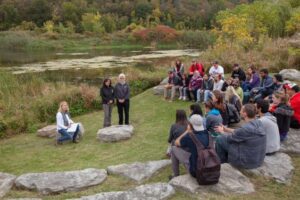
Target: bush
(159, 33)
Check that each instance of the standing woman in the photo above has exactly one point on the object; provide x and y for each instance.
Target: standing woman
(107, 95)
(63, 122)
(122, 94)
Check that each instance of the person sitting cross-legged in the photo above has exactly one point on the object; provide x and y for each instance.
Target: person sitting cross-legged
(173, 84)
(185, 151)
(244, 147)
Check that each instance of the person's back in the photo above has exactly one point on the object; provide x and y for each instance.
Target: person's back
(213, 117)
(269, 123)
(175, 131)
(248, 145)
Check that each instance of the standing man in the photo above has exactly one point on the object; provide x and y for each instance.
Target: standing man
(122, 94)
(216, 69)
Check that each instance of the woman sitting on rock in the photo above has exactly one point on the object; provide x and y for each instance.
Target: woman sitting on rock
(65, 126)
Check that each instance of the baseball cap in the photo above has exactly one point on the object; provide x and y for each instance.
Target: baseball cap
(290, 86)
(197, 122)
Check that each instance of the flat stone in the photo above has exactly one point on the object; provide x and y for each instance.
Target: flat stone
(278, 166)
(48, 131)
(6, 183)
(57, 182)
(138, 171)
(292, 143)
(231, 181)
(144, 192)
(25, 199)
(115, 133)
(290, 74)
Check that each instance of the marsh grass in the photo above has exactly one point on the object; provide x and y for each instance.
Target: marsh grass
(151, 117)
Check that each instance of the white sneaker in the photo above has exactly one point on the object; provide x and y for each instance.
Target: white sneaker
(180, 98)
(184, 98)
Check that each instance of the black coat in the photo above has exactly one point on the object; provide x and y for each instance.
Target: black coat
(107, 94)
(283, 114)
(240, 74)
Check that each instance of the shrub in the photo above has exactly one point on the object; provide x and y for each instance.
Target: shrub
(159, 33)
(197, 39)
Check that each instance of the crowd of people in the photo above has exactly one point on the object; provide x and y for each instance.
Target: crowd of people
(268, 106)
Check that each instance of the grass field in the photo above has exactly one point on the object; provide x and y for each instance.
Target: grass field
(151, 117)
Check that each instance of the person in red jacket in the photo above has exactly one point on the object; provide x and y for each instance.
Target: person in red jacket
(293, 91)
(196, 66)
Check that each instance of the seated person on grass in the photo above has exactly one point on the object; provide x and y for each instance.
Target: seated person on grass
(244, 147)
(64, 124)
(185, 151)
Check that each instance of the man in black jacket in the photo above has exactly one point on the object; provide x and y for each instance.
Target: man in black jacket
(122, 94)
(238, 73)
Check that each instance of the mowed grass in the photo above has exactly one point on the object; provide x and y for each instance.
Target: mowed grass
(151, 117)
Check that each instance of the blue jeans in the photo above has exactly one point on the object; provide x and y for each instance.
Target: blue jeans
(222, 148)
(207, 95)
(65, 135)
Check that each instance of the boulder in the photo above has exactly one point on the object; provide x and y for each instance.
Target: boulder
(48, 131)
(115, 133)
(25, 199)
(165, 81)
(138, 171)
(6, 183)
(144, 192)
(278, 166)
(158, 90)
(56, 182)
(290, 74)
(292, 143)
(231, 181)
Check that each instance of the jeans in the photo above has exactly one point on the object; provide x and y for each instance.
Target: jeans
(123, 107)
(65, 135)
(207, 95)
(182, 91)
(222, 148)
(194, 92)
(107, 108)
(246, 97)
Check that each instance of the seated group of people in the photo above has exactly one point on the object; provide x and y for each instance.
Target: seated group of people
(269, 108)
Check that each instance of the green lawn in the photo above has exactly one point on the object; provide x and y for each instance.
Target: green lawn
(151, 118)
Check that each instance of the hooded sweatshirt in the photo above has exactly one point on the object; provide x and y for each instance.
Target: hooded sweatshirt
(283, 114)
(213, 119)
(269, 123)
(247, 145)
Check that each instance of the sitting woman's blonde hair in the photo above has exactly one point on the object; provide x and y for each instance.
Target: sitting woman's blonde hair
(230, 92)
(60, 106)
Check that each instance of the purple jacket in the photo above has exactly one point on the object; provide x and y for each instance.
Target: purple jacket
(255, 81)
(196, 83)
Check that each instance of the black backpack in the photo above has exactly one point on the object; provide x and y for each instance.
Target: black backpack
(208, 163)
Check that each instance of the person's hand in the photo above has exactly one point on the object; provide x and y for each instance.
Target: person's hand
(219, 129)
(111, 101)
(121, 100)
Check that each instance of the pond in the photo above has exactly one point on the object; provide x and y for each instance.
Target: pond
(91, 66)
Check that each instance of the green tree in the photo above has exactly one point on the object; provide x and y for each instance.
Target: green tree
(39, 12)
(8, 16)
(91, 23)
(142, 10)
(109, 23)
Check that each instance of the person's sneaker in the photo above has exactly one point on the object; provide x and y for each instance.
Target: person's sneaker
(180, 98)
(184, 98)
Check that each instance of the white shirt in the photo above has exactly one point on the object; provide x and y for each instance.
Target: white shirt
(218, 85)
(272, 133)
(218, 70)
(60, 121)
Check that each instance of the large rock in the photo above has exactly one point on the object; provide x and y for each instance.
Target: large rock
(290, 74)
(6, 183)
(278, 166)
(144, 192)
(158, 90)
(138, 171)
(48, 131)
(292, 143)
(115, 133)
(231, 182)
(56, 182)
(25, 199)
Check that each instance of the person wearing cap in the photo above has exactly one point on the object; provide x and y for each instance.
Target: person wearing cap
(196, 66)
(122, 95)
(216, 69)
(244, 147)
(173, 85)
(293, 91)
(185, 151)
(238, 73)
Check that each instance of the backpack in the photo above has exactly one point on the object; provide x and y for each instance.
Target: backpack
(233, 114)
(208, 162)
